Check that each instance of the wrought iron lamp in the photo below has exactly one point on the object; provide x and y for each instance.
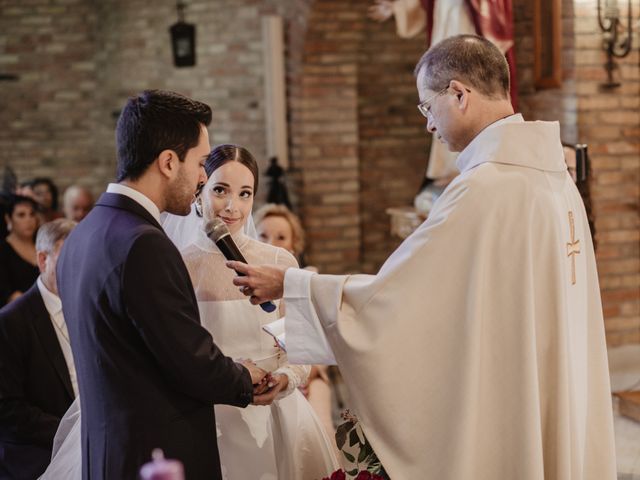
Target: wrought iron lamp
(614, 46)
(183, 40)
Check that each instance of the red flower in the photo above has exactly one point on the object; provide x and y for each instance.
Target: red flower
(337, 475)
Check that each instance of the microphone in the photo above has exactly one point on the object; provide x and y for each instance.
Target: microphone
(219, 234)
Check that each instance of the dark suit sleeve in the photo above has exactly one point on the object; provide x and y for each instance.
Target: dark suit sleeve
(20, 421)
(159, 299)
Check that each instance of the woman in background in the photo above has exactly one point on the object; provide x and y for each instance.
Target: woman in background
(18, 265)
(45, 193)
(279, 226)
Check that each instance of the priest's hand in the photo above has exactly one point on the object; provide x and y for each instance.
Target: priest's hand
(260, 282)
(277, 383)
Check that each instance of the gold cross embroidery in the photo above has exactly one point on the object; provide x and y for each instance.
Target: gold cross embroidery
(573, 248)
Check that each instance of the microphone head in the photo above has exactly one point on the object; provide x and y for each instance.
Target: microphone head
(216, 229)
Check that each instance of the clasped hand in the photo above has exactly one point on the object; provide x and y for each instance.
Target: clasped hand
(266, 385)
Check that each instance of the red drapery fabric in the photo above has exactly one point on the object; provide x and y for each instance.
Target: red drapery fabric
(493, 19)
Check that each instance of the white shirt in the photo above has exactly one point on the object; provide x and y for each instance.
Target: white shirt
(138, 197)
(54, 306)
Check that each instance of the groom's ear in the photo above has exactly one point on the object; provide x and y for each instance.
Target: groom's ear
(167, 163)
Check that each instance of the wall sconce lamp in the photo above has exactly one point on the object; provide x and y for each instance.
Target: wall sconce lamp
(183, 40)
(611, 43)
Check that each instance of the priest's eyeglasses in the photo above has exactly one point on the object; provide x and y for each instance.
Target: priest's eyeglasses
(425, 107)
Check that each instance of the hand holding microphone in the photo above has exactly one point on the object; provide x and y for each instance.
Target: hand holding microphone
(219, 234)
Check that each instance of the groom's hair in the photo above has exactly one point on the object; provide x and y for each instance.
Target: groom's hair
(469, 59)
(153, 121)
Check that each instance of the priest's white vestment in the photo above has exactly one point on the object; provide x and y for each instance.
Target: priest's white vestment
(478, 350)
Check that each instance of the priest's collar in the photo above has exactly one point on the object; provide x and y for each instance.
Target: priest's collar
(513, 141)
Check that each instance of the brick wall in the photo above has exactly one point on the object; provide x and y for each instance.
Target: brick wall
(609, 121)
(394, 147)
(78, 61)
(547, 104)
(47, 116)
(357, 143)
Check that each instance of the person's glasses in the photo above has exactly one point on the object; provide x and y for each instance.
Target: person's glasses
(425, 107)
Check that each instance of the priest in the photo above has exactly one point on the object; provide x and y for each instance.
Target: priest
(478, 349)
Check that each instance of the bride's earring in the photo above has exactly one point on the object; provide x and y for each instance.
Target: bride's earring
(199, 206)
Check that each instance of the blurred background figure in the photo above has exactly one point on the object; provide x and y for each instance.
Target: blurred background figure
(18, 265)
(37, 373)
(279, 226)
(25, 189)
(77, 202)
(45, 193)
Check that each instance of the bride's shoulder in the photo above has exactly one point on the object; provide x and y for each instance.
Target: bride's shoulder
(192, 253)
(265, 253)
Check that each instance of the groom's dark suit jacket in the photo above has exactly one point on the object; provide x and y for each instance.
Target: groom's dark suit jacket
(35, 387)
(148, 372)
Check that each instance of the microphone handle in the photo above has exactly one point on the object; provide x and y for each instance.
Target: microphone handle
(231, 252)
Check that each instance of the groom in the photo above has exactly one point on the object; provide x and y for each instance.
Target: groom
(148, 372)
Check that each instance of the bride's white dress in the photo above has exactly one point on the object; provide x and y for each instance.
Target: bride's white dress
(282, 441)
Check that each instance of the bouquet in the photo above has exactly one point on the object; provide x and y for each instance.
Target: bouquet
(358, 452)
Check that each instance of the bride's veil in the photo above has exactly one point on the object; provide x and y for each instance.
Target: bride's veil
(66, 457)
(183, 230)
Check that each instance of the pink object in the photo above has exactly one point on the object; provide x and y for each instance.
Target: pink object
(161, 468)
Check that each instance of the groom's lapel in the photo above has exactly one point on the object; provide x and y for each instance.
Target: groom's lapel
(116, 200)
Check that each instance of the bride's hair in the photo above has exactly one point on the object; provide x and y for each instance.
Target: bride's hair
(232, 153)
(226, 153)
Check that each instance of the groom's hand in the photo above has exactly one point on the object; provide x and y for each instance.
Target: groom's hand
(277, 383)
(260, 282)
(259, 377)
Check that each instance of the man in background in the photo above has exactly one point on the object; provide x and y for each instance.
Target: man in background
(77, 202)
(37, 373)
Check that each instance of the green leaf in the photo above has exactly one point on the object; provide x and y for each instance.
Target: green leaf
(353, 438)
(364, 453)
(341, 434)
(352, 473)
(349, 457)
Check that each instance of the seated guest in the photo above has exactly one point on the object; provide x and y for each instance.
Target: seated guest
(18, 266)
(25, 190)
(77, 202)
(37, 374)
(5, 201)
(45, 194)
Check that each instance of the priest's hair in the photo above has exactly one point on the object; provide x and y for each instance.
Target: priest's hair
(469, 59)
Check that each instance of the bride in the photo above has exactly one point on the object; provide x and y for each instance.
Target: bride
(284, 440)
